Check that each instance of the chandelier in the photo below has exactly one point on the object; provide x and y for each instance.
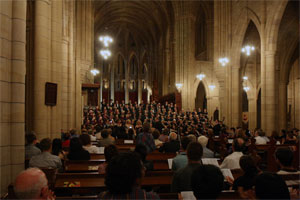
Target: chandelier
(247, 49)
(179, 86)
(200, 76)
(94, 71)
(246, 88)
(106, 40)
(105, 53)
(212, 87)
(223, 61)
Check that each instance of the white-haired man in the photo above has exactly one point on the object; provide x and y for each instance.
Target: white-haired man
(172, 146)
(32, 184)
(207, 153)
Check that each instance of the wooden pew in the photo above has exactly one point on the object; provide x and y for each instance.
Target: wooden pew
(82, 166)
(93, 183)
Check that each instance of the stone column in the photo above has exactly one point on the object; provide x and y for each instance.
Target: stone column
(235, 100)
(297, 101)
(282, 123)
(252, 113)
(126, 82)
(140, 90)
(270, 101)
(112, 82)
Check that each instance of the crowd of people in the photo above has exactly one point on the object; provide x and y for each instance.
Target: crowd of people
(162, 127)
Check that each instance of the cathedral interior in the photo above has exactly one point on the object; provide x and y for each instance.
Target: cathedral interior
(189, 52)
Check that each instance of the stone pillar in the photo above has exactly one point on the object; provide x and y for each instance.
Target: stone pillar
(252, 113)
(126, 82)
(235, 100)
(282, 123)
(140, 90)
(297, 100)
(112, 82)
(270, 101)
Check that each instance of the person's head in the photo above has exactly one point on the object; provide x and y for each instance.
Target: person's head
(66, 136)
(123, 172)
(203, 140)
(173, 136)
(192, 137)
(85, 139)
(207, 182)
(141, 149)
(271, 186)
(104, 133)
(166, 131)
(56, 146)
(155, 134)
(146, 127)
(185, 142)
(31, 184)
(238, 145)
(284, 156)
(45, 144)
(75, 144)
(73, 132)
(194, 151)
(248, 164)
(30, 138)
(110, 151)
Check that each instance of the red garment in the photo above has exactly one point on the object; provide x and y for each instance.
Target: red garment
(66, 144)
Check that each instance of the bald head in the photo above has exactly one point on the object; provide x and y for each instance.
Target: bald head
(29, 184)
(173, 136)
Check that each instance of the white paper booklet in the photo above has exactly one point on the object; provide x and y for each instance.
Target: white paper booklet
(128, 141)
(170, 162)
(227, 172)
(101, 150)
(188, 195)
(210, 161)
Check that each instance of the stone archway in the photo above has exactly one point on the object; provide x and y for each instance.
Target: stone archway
(201, 100)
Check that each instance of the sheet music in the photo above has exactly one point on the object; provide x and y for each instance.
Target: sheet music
(101, 150)
(188, 195)
(170, 162)
(227, 172)
(210, 161)
(128, 141)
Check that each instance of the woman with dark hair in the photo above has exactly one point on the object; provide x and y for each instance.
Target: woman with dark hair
(245, 182)
(87, 145)
(76, 151)
(142, 151)
(109, 152)
(123, 178)
(57, 148)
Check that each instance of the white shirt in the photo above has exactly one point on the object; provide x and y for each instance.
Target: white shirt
(232, 161)
(260, 140)
(92, 149)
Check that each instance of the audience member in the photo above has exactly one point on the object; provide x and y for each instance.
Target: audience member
(271, 186)
(32, 184)
(207, 182)
(124, 174)
(57, 148)
(182, 178)
(284, 158)
(142, 151)
(45, 159)
(87, 145)
(157, 142)
(181, 160)
(109, 152)
(106, 139)
(30, 148)
(172, 146)
(207, 153)
(76, 151)
(66, 140)
(146, 138)
(164, 136)
(232, 161)
(260, 137)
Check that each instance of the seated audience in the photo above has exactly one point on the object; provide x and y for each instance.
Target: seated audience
(106, 140)
(130, 134)
(87, 145)
(124, 174)
(284, 158)
(73, 133)
(57, 148)
(142, 151)
(271, 186)
(45, 159)
(207, 182)
(172, 146)
(232, 161)
(76, 151)
(207, 153)
(181, 160)
(182, 178)
(246, 181)
(92, 135)
(30, 148)
(109, 152)
(290, 138)
(157, 142)
(146, 138)
(164, 136)
(66, 140)
(32, 184)
(260, 137)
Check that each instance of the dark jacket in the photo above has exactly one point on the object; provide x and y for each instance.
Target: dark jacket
(173, 146)
(79, 155)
